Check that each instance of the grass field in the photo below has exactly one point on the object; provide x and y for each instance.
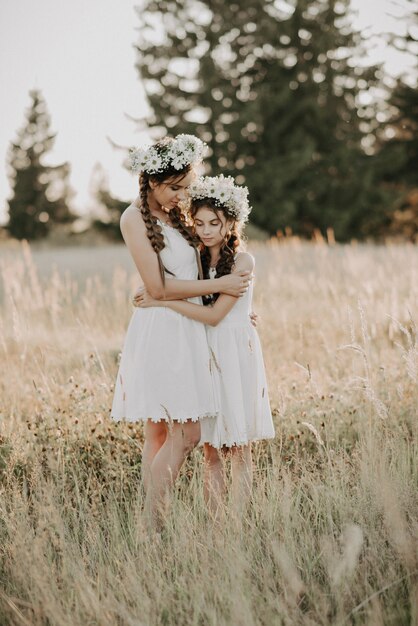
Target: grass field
(331, 536)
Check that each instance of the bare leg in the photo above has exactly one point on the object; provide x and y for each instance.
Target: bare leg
(214, 479)
(180, 440)
(242, 477)
(155, 436)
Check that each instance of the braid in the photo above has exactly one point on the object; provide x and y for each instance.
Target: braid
(227, 256)
(178, 220)
(154, 230)
(205, 263)
(205, 258)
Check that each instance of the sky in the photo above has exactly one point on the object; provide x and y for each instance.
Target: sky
(81, 55)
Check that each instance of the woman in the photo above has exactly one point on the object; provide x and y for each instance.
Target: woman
(164, 376)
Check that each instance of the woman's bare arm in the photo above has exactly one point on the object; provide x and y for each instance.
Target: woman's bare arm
(146, 261)
(210, 315)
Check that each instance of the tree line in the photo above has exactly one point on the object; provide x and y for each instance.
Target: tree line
(283, 96)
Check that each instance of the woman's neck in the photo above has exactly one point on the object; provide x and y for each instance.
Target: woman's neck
(156, 208)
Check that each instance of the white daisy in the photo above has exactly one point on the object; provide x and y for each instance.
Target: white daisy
(225, 193)
(182, 151)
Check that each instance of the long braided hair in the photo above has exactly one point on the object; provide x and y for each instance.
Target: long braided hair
(229, 246)
(177, 217)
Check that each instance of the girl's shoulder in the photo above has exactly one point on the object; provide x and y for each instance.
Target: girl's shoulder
(244, 261)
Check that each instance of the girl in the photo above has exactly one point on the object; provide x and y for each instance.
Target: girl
(219, 208)
(164, 377)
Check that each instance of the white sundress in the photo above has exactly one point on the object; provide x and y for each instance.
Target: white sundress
(165, 368)
(237, 360)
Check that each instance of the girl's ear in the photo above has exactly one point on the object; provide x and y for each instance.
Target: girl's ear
(152, 184)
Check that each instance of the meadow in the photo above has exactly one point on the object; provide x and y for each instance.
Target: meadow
(331, 536)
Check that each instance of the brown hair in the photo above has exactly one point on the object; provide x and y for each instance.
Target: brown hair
(229, 245)
(177, 217)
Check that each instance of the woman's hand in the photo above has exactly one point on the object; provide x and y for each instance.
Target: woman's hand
(137, 294)
(236, 284)
(143, 300)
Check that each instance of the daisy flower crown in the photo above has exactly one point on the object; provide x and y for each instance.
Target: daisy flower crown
(225, 193)
(183, 150)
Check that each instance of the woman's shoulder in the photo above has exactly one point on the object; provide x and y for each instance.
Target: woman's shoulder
(244, 261)
(131, 217)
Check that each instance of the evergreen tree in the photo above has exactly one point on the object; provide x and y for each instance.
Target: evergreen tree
(399, 135)
(40, 192)
(273, 88)
(403, 124)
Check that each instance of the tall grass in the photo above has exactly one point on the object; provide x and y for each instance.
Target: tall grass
(331, 533)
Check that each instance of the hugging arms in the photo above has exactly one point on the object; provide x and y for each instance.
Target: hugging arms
(146, 261)
(210, 315)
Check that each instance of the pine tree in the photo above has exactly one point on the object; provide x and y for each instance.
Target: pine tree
(40, 192)
(273, 88)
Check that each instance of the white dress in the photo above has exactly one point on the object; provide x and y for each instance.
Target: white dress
(165, 368)
(237, 359)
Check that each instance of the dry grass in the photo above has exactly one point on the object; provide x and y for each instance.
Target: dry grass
(331, 536)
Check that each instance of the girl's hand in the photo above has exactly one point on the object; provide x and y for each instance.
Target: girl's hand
(143, 300)
(254, 319)
(236, 284)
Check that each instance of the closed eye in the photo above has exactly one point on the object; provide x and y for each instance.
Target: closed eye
(214, 223)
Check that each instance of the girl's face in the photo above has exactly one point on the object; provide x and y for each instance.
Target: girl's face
(172, 191)
(211, 227)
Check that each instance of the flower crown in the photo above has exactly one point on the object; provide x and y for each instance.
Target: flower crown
(225, 193)
(181, 151)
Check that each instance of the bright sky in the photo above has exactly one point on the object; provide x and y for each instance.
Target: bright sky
(80, 54)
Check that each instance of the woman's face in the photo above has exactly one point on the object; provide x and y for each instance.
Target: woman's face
(210, 226)
(172, 191)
